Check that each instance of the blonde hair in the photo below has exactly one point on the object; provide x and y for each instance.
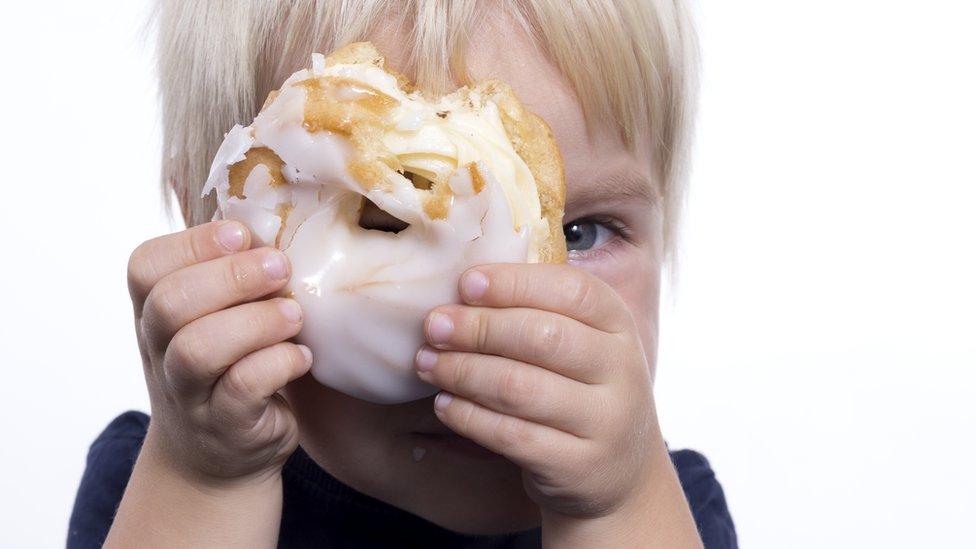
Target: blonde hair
(632, 62)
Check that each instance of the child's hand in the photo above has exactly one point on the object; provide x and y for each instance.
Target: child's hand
(215, 354)
(544, 366)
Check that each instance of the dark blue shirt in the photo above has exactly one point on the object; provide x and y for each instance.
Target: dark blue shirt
(319, 511)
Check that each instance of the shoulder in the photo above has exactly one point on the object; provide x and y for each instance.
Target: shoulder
(108, 466)
(128, 426)
(706, 499)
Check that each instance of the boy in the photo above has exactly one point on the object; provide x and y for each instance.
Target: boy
(545, 429)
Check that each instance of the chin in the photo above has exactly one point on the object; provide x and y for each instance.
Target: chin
(474, 495)
(401, 454)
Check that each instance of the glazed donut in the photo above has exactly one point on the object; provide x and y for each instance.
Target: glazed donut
(381, 198)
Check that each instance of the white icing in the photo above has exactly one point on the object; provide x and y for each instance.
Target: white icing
(318, 63)
(365, 293)
(236, 142)
(264, 223)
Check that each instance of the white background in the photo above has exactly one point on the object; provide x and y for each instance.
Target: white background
(819, 346)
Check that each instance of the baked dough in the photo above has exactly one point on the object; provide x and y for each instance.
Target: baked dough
(348, 147)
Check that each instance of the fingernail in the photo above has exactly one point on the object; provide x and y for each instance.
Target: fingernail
(275, 265)
(308, 354)
(439, 328)
(442, 400)
(230, 236)
(474, 284)
(426, 359)
(291, 310)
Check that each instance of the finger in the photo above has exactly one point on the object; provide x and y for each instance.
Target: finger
(156, 258)
(192, 292)
(527, 444)
(246, 387)
(512, 388)
(552, 341)
(557, 288)
(203, 349)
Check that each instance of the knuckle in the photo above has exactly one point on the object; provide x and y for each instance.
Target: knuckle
(547, 337)
(579, 290)
(238, 384)
(464, 417)
(510, 432)
(189, 352)
(264, 318)
(483, 327)
(515, 389)
(598, 364)
(235, 276)
(139, 269)
(162, 308)
(195, 246)
(518, 287)
(293, 356)
(460, 376)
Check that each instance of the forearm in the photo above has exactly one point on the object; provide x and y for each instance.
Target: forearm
(658, 516)
(162, 508)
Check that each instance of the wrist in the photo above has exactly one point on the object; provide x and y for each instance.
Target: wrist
(162, 460)
(654, 514)
(166, 505)
(162, 467)
(608, 530)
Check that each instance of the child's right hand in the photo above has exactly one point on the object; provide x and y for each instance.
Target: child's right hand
(215, 353)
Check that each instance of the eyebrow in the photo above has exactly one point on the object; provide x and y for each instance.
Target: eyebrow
(622, 185)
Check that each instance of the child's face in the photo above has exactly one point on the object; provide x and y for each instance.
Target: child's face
(402, 454)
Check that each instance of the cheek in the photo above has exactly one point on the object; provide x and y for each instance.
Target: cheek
(635, 275)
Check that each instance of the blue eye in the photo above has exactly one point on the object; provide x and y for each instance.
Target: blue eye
(586, 234)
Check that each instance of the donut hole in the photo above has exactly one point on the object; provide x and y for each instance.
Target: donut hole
(372, 218)
(419, 181)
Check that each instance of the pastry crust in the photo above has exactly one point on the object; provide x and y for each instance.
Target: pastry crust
(534, 142)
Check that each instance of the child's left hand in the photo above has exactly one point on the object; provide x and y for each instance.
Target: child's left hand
(544, 365)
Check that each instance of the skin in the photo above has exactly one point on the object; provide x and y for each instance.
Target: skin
(548, 367)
